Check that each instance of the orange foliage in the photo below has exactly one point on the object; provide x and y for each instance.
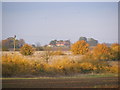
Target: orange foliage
(101, 52)
(115, 51)
(27, 50)
(80, 47)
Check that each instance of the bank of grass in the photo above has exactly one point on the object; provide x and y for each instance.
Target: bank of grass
(66, 77)
(17, 65)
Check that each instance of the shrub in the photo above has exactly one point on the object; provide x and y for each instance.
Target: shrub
(97, 65)
(16, 65)
(27, 50)
(65, 66)
(114, 69)
(87, 67)
(57, 53)
(5, 49)
(40, 48)
(80, 47)
(115, 50)
(101, 52)
(47, 54)
(13, 65)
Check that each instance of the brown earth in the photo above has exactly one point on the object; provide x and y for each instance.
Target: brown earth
(86, 82)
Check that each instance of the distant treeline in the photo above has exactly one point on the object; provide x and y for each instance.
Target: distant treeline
(90, 41)
(8, 44)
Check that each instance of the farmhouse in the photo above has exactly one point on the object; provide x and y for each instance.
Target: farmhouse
(59, 43)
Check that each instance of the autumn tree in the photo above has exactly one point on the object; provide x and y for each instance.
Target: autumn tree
(92, 42)
(27, 50)
(115, 51)
(101, 52)
(83, 38)
(80, 47)
(38, 47)
(9, 43)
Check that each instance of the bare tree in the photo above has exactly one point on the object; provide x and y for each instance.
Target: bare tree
(47, 54)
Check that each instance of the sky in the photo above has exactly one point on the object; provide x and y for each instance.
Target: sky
(45, 21)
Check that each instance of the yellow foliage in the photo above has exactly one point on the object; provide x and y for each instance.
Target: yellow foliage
(101, 52)
(13, 64)
(115, 51)
(86, 65)
(80, 47)
(114, 69)
(57, 53)
(27, 49)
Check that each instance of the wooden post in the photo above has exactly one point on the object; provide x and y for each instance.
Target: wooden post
(14, 41)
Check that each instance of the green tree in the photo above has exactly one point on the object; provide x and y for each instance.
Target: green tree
(92, 42)
(83, 38)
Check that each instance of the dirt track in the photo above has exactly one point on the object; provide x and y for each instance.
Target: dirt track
(91, 82)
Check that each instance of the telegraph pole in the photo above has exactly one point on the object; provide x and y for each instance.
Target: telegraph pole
(14, 41)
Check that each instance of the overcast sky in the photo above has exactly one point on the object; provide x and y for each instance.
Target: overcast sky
(43, 22)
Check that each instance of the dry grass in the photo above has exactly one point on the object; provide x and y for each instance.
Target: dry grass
(15, 64)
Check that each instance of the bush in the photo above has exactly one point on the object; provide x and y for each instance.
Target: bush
(27, 50)
(17, 65)
(115, 50)
(57, 53)
(13, 65)
(114, 69)
(39, 48)
(5, 49)
(65, 66)
(101, 52)
(97, 65)
(80, 47)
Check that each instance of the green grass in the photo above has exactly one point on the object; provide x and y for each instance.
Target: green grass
(63, 77)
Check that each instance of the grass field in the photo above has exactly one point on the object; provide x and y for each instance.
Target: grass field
(81, 81)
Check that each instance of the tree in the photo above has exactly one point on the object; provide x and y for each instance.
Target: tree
(5, 45)
(21, 42)
(92, 42)
(53, 42)
(101, 52)
(38, 47)
(115, 47)
(83, 38)
(27, 50)
(9, 43)
(80, 47)
(47, 54)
